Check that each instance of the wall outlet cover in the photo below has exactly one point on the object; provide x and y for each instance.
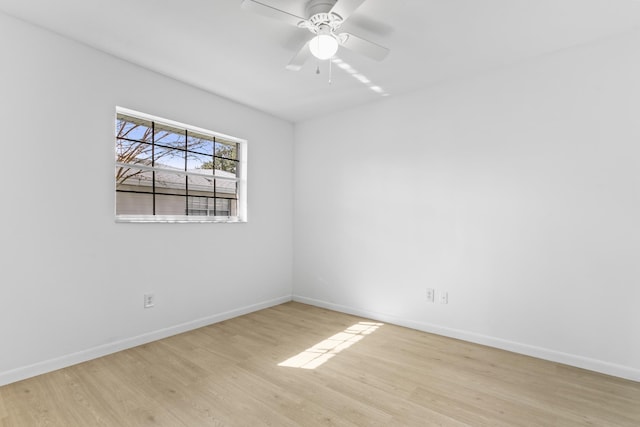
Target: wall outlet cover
(149, 300)
(431, 295)
(444, 297)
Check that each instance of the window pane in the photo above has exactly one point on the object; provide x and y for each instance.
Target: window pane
(133, 128)
(198, 143)
(169, 137)
(226, 207)
(170, 205)
(223, 207)
(200, 186)
(134, 203)
(226, 167)
(225, 188)
(201, 206)
(226, 149)
(133, 152)
(200, 163)
(169, 158)
(170, 183)
(234, 207)
(132, 179)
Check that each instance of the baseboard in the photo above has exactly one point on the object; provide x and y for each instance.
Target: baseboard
(45, 366)
(516, 347)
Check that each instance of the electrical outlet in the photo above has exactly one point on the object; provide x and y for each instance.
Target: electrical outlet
(149, 300)
(444, 297)
(431, 295)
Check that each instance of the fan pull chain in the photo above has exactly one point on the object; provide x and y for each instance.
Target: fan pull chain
(330, 71)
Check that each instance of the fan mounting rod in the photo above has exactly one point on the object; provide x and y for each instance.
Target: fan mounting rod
(319, 6)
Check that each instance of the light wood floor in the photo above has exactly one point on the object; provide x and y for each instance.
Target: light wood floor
(364, 374)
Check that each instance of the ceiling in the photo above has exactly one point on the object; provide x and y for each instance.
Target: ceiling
(219, 47)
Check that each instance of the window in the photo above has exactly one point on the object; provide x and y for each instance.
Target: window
(171, 172)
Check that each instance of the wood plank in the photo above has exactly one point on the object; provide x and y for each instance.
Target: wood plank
(232, 373)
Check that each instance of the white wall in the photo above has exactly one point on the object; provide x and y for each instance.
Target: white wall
(515, 191)
(71, 279)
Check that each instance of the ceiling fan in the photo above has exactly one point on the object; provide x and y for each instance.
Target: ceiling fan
(324, 19)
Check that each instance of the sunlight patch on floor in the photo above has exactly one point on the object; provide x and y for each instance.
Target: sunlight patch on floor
(315, 356)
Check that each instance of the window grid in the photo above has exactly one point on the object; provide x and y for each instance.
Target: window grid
(223, 154)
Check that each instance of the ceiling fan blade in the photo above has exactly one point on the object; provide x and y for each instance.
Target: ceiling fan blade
(344, 8)
(299, 58)
(364, 47)
(271, 12)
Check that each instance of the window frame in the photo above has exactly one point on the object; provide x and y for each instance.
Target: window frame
(240, 178)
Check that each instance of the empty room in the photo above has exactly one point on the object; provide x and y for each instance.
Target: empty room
(320, 213)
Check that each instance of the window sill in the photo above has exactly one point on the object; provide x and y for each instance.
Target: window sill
(177, 219)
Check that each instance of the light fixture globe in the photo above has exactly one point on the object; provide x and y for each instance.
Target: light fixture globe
(323, 46)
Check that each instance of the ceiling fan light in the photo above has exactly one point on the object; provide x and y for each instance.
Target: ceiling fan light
(323, 46)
